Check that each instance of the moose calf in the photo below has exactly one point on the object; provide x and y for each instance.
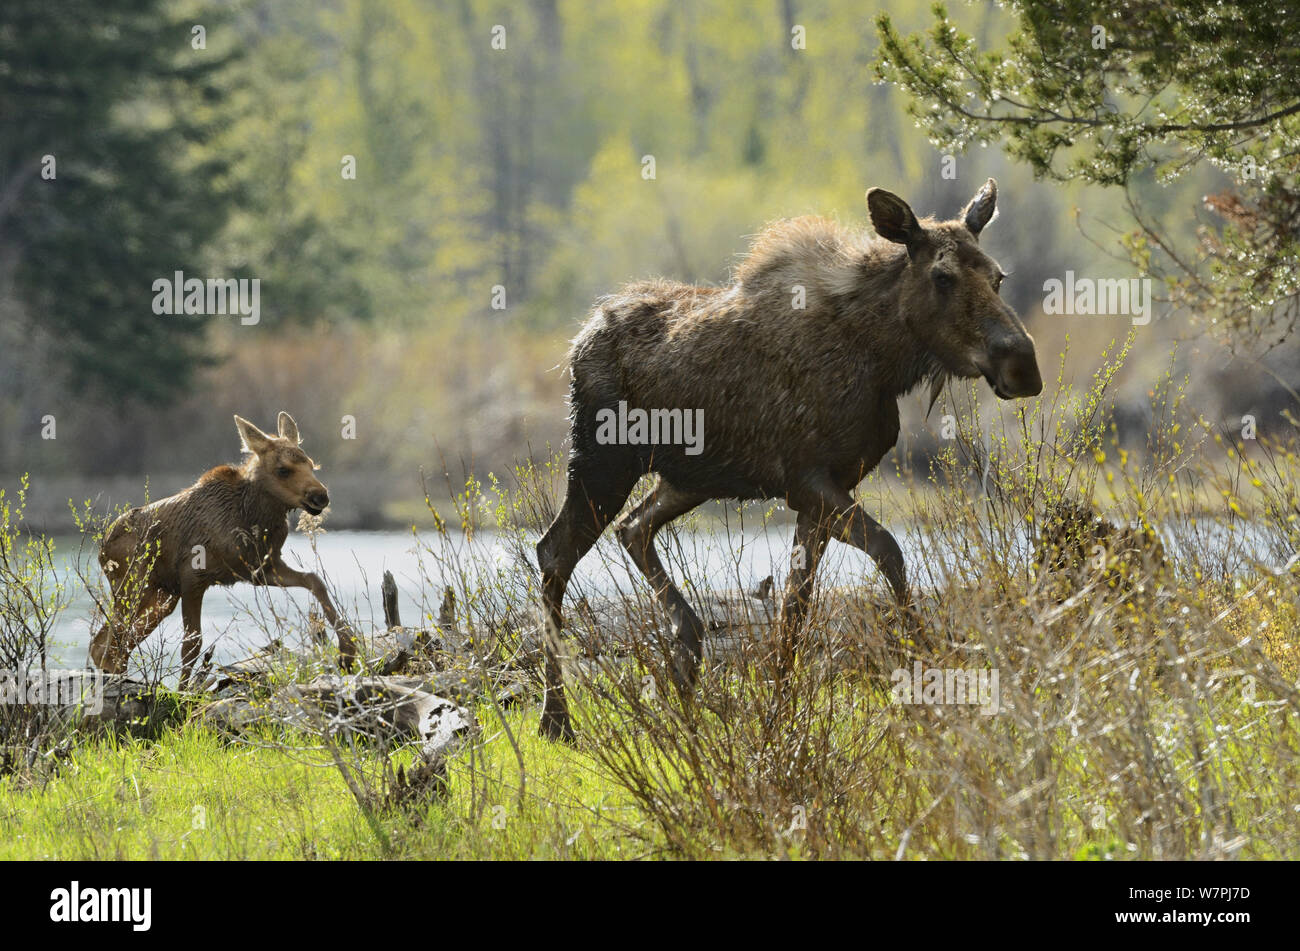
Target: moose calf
(227, 527)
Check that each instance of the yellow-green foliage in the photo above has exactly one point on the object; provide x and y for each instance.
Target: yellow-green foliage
(1152, 717)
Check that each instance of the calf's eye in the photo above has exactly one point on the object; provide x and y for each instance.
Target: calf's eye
(283, 472)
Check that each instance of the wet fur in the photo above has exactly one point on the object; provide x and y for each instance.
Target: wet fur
(239, 515)
(798, 404)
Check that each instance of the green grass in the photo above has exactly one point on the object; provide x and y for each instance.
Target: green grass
(193, 795)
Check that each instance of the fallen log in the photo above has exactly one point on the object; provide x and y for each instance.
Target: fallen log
(400, 645)
(381, 709)
(91, 699)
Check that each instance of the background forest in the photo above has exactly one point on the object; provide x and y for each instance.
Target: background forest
(500, 155)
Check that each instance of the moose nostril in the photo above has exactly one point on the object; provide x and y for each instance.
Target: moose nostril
(1012, 345)
(1015, 365)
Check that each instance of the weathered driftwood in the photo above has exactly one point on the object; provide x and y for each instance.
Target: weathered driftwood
(398, 646)
(389, 591)
(414, 677)
(382, 709)
(598, 627)
(92, 699)
(128, 701)
(602, 634)
(255, 669)
(385, 708)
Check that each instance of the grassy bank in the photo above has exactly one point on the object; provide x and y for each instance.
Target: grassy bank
(1132, 693)
(193, 795)
(889, 787)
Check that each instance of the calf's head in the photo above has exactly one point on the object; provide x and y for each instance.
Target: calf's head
(949, 294)
(280, 467)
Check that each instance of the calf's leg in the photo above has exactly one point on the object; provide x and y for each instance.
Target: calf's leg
(131, 624)
(280, 574)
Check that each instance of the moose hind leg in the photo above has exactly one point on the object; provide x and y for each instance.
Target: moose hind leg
(589, 505)
(112, 644)
(636, 530)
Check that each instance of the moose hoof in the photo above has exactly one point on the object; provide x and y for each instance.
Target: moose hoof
(687, 654)
(910, 630)
(684, 671)
(555, 726)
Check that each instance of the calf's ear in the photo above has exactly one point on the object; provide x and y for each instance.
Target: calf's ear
(288, 428)
(251, 439)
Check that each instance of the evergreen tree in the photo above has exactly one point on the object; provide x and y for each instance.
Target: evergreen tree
(104, 183)
(1111, 92)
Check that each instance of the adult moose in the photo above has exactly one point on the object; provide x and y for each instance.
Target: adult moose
(227, 527)
(798, 402)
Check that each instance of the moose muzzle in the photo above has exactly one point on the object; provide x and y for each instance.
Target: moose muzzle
(1012, 368)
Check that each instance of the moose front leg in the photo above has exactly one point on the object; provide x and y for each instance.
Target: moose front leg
(191, 621)
(278, 573)
(844, 519)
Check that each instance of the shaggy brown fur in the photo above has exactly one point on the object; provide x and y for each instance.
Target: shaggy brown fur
(797, 404)
(227, 527)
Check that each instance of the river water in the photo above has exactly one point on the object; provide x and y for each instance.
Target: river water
(236, 619)
(352, 563)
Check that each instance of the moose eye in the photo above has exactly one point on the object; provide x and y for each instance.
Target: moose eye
(943, 280)
(283, 472)
(997, 281)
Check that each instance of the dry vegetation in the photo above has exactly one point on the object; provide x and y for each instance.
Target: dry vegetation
(1145, 653)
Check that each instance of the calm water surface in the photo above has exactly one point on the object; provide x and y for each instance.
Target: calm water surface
(236, 618)
(353, 564)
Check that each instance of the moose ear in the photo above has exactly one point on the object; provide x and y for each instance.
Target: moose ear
(251, 438)
(893, 219)
(982, 208)
(288, 428)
